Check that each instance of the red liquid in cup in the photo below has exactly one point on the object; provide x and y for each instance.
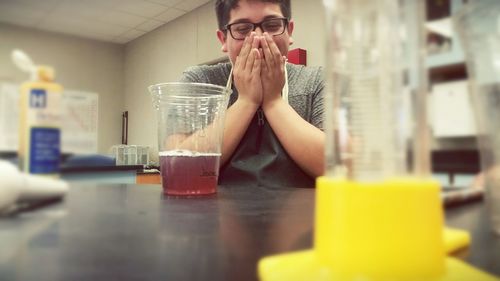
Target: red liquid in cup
(187, 173)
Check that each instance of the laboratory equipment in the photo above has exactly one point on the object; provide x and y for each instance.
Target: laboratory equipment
(478, 25)
(190, 130)
(378, 212)
(130, 154)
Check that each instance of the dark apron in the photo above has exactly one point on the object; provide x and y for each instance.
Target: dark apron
(260, 160)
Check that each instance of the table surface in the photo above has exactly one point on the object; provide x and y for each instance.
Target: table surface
(133, 232)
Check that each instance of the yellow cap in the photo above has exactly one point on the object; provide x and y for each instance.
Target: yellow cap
(45, 73)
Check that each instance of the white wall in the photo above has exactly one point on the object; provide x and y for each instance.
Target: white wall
(120, 74)
(162, 55)
(310, 30)
(80, 64)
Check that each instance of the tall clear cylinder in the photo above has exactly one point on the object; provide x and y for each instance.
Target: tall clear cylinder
(478, 25)
(367, 104)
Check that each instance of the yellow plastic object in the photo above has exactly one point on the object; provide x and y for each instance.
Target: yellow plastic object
(392, 230)
(45, 73)
(455, 240)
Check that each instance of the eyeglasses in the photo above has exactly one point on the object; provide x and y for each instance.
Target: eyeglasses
(273, 26)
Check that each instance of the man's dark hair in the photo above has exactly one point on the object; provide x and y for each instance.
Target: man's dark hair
(224, 7)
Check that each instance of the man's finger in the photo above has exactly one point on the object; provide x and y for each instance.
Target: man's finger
(263, 66)
(251, 60)
(252, 55)
(273, 47)
(257, 63)
(237, 64)
(245, 50)
(269, 59)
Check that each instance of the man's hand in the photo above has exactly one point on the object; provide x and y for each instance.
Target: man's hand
(247, 70)
(273, 72)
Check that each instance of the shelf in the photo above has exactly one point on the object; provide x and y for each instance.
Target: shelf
(448, 73)
(441, 34)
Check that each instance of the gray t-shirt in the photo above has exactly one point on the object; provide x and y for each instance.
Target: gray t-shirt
(305, 85)
(260, 159)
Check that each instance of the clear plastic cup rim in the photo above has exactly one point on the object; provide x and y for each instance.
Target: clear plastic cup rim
(164, 93)
(216, 88)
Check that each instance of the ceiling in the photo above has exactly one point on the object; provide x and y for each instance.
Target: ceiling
(118, 21)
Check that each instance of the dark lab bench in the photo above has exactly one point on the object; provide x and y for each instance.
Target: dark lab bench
(132, 232)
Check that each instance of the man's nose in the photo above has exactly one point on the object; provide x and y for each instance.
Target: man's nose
(258, 30)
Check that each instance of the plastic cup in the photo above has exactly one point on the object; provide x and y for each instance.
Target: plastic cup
(478, 25)
(190, 130)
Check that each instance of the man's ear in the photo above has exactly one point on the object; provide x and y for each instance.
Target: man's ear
(222, 39)
(290, 31)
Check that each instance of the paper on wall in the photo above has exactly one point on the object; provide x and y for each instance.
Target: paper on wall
(80, 122)
(9, 117)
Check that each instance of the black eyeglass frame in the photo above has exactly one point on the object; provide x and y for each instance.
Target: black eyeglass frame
(227, 27)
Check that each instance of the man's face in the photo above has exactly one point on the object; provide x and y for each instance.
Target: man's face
(254, 12)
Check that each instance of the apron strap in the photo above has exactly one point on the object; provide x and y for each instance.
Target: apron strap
(284, 92)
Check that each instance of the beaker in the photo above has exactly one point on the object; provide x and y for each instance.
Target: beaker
(370, 135)
(190, 131)
(367, 104)
(478, 25)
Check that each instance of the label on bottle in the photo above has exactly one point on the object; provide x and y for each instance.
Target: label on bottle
(45, 151)
(44, 122)
(44, 108)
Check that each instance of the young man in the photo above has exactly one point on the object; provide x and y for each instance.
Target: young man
(273, 134)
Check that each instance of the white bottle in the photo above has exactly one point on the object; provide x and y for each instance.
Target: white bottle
(40, 119)
(16, 187)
